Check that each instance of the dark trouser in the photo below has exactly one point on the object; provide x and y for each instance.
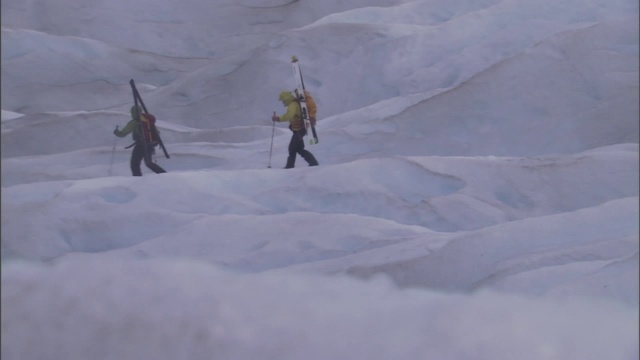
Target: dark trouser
(296, 146)
(138, 154)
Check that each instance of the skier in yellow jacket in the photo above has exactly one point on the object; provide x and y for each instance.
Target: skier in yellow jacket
(294, 116)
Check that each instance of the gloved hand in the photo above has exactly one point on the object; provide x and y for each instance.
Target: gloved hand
(115, 132)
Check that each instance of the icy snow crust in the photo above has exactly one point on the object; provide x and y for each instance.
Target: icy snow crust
(477, 196)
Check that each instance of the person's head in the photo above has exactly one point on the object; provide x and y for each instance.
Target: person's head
(135, 110)
(286, 97)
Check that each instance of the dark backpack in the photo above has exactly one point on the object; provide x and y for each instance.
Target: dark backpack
(149, 130)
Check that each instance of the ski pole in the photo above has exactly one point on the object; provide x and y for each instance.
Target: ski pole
(273, 129)
(113, 153)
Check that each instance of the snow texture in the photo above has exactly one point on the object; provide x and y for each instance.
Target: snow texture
(477, 195)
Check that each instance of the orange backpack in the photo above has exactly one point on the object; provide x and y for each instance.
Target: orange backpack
(149, 131)
(311, 107)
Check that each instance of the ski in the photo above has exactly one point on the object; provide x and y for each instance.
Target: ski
(300, 95)
(138, 99)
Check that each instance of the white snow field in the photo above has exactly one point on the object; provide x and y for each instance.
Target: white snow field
(477, 195)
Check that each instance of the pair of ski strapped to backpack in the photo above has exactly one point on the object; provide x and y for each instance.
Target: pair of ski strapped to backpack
(301, 96)
(147, 123)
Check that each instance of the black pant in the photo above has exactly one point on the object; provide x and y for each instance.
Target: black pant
(138, 154)
(296, 146)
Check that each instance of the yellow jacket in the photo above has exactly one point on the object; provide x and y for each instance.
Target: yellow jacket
(294, 113)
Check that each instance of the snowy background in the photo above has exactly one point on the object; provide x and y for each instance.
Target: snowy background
(477, 194)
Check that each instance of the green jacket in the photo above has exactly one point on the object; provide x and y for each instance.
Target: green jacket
(294, 113)
(132, 127)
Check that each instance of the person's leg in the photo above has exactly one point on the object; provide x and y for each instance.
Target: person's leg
(309, 158)
(136, 159)
(306, 155)
(293, 150)
(150, 164)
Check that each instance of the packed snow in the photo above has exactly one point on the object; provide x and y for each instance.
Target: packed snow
(477, 195)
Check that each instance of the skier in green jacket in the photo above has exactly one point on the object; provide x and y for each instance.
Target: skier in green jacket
(141, 150)
(294, 116)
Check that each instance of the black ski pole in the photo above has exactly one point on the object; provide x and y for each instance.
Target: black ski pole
(273, 129)
(113, 151)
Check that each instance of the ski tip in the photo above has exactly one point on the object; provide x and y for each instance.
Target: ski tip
(294, 58)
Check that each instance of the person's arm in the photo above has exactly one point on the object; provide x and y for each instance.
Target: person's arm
(292, 112)
(128, 129)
